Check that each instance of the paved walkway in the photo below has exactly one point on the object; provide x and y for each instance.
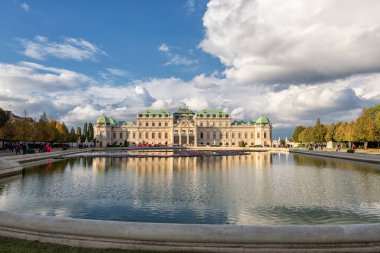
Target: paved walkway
(357, 156)
(12, 164)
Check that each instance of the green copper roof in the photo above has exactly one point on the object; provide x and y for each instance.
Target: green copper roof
(129, 123)
(184, 111)
(239, 122)
(262, 120)
(212, 113)
(253, 121)
(113, 122)
(103, 120)
(150, 112)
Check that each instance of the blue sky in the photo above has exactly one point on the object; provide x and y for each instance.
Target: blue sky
(292, 61)
(127, 31)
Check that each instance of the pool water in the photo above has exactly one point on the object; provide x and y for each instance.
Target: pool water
(259, 188)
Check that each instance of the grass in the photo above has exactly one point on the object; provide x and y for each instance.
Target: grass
(11, 245)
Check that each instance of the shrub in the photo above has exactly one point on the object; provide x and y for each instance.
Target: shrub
(310, 148)
(350, 150)
(64, 148)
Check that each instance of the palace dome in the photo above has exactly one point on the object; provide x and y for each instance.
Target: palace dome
(103, 120)
(262, 120)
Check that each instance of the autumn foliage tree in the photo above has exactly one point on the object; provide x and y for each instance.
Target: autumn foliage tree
(365, 129)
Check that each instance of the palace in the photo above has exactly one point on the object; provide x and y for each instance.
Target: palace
(184, 128)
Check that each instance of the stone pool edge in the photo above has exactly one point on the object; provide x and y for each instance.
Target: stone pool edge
(191, 237)
(357, 157)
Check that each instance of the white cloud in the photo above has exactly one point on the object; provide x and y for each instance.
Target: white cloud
(163, 48)
(70, 48)
(175, 58)
(190, 6)
(24, 7)
(74, 97)
(295, 41)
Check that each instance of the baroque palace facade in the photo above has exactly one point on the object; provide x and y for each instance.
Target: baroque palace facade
(184, 128)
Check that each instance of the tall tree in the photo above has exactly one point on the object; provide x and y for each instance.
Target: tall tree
(73, 135)
(85, 130)
(296, 133)
(90, 132)
(42, 128)
(319, 132)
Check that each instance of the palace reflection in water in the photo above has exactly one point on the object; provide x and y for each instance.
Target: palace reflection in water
(260, 188)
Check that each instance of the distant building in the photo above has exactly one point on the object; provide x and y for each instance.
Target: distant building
(184, 128)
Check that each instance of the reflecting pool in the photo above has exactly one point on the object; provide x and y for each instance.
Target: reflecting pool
(259, 188)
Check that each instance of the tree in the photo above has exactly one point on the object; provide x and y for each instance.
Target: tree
(62, 134)
(296, 133)
(306, 135)
(330, 132)
(9, 131)
(85, 130)
(25, 130)
(73, 136)
(365, 128)
(90, 132)
(79, 131)
(377, 128)
(319, 132)
(4, 117)
(42, 128)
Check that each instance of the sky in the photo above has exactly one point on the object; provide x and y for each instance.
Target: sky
(292, 61)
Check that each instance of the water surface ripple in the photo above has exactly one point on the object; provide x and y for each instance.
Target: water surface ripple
(260, 188)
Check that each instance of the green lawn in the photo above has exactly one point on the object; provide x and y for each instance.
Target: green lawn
(11, 245)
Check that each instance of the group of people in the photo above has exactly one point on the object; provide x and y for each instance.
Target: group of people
(23, 148)
(44, 148)
(19, 147)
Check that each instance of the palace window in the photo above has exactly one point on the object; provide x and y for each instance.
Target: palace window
(114, 135)
(146, 124)
(159, 135)
(201, 135)
(258, 135)
(166, 135)
(159, 123)
(140, 135)
(201, 124)
(239, 135)
(153, 124)
(265, 135)
(166, 123)
(146, 135)
(245, 135)
(153, 135)
(226, 135)
(133, 135)
(121, 135)
(214, 135)
(232, 135)
(208, 135)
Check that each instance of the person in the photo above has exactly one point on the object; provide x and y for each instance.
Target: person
(24, 148)
(353, 146)
(17, 148)
(41, 148)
